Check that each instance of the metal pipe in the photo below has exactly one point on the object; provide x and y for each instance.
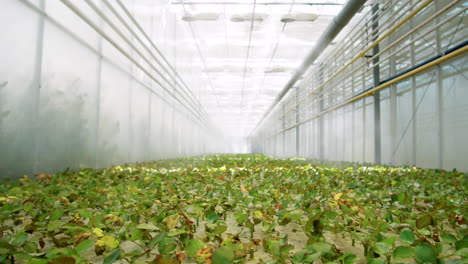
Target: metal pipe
(104, 58)
(397, 26)
(151, 65)
(398, 78)
(73, 8)
(266, 3)
(421, 35)
(130, 29)
(376, 81)
(338, 23)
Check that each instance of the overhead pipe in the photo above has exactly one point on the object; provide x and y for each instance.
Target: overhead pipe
(438, 59)
(335, 27)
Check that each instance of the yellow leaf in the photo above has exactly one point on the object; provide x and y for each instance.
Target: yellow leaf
(337, 196)
(108, 241)
(243, 189)
(171, 221)
(98, 232)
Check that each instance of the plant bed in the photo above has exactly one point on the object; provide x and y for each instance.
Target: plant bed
(235, 209)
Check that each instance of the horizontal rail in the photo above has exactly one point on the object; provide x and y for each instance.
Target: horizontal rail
(459, 49)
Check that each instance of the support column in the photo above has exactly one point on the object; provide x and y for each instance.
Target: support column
(97, 163)
(174, 133)
(321, 129)
(440, 101)
(376, 77)
(149, 146)
(297, 121)
(283, 134)
(36, 90)
(413, 102)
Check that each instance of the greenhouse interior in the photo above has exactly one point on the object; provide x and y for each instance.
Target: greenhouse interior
(233, 131)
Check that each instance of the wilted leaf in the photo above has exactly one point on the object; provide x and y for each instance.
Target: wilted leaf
(204, 254)
(107, 241)
(423, 221)
(337, 196)
(98, 232)
(171, 221)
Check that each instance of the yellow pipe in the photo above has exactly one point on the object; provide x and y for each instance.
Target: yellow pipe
(398, 25)
(362, 54)
(384, 85)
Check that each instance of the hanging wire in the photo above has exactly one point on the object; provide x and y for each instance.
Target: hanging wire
(202, 57)
(272, 57)
(247, 55)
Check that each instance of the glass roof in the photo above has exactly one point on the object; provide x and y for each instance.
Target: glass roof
(238, 55)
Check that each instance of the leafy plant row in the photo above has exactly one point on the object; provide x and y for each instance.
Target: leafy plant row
(235, 209)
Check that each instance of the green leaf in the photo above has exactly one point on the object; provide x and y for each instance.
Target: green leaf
(83, 246)
(56, 224)
(193, 246)
(38, 261)
(146, 226)
(376, 261)
(299, 256)
(167, 245)
(449, 238)
(211, 216)
(177, 232)
(403, 252)
(382, 248)
(461, 244)
(30, 247)
(463, 252)
(241, 217)
(19, 239)
(57, 214)
(423, 221)
(348, 258)
(220, 228)
(223, 255)
(63, 260)
(157, 239)
(321, 247)
(424, 253)
(273, 247)
(112, 257)
(406, 235)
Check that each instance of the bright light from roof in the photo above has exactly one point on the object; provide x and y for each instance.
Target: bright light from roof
(235, 78)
